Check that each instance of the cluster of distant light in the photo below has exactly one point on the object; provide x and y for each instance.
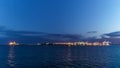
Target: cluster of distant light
(13, 43)
(81, 43)
(104, 43)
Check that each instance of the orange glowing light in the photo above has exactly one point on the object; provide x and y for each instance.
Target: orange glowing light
(12, 43)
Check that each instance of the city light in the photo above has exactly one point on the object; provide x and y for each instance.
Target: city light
(13, 43)
(82, 43)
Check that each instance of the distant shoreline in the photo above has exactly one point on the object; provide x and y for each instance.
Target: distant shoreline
(61, 45)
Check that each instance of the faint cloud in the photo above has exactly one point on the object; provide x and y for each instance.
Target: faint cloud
(92, 32)
(2, 28)
(113, 34)
(32, 35)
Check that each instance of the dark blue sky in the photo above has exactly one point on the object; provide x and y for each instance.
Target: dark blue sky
(61, 16)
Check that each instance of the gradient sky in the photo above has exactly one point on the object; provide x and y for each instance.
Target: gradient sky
(61, 16)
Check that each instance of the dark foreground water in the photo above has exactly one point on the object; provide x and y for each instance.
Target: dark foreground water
(59, 57)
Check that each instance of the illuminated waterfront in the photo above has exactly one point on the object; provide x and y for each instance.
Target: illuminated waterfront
(84, 43)
(59, 57)
(81, 43)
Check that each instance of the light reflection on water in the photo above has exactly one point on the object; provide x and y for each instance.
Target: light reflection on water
(59, 57)
(11, 57)
(67, 58)
(68, 55)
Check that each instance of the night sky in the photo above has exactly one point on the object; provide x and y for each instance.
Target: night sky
(78, 17)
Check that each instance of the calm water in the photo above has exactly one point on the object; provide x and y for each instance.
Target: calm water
(59, 57)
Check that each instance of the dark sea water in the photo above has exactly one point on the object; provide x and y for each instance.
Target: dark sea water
(59, 57)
